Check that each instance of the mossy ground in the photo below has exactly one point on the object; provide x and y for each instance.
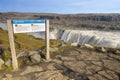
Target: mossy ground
(23, 42)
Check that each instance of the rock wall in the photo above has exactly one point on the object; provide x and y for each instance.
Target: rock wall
(70, 21)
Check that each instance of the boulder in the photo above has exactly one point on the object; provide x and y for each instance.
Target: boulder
(35, 58)
(100, 49)
(33, 52)
(103, 49)
(74, 44)
(89, 46)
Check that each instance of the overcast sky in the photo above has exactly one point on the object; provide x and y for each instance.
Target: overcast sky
(61, 6)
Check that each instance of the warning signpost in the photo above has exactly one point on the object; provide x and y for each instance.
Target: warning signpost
(24, 26)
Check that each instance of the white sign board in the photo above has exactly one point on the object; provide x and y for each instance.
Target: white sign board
(22, 26)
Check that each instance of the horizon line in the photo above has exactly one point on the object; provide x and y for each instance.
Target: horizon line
(60, 13)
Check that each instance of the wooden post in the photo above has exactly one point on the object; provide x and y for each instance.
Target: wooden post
(12, 45)
(47, 40)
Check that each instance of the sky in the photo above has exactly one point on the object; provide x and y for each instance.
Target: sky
(61, 6)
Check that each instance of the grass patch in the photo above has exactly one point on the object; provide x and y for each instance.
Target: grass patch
(24, 42)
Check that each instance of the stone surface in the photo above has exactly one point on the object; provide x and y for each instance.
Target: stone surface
(26, 77)
(75, 53)
(51, 66)
(98, 63)
(92, 78)
(93, 68)
(74, 44)
(21, 54)
(49, 75)
(30, 69)
(62, 44)
(58, 57)
(21, 78)
(91, 56)
(53, 49)
(57, 61)
(117, 52)
(99, 77)
(33, 52)
(113, 75)
(76, 66)
(112, 65)
(115, 56)
(8, 75)
(68, 58)
(8, 62)
(35, 58)
(1, 63)
(103, 73)
(89, 46)
(73, 64)
(100, 49)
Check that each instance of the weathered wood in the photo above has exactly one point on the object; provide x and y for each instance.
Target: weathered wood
(47, 40)
(12, 45)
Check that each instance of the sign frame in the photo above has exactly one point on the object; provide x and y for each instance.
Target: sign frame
(12, 44)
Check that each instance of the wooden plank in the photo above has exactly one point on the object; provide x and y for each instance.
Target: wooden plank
(47, 40)
(12, 45)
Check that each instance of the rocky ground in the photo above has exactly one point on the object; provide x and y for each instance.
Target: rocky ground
(73, 64)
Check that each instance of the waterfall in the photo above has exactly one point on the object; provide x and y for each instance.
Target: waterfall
(81, 37)
(101, 38)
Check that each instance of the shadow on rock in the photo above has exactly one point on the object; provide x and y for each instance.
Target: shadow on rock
(70, 73)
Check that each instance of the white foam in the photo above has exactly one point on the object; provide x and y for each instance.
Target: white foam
(102, 38)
